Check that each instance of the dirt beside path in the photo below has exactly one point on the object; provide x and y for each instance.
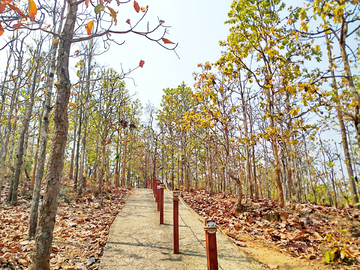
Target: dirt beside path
(137, 240)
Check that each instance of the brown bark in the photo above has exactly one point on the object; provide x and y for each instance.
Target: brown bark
(13, 191)
(41, 258)
(117, 182)
(209, 167)
(344, 140)
(351, 85)
(8, 132)
(36, 152)
(77, 155)
(83, 139)
(275, 150)
(239, 207)
(256, 186)
(124, 162)
(71, 171)
(43, 140)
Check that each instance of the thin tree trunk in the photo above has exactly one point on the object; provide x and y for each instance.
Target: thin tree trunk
(71, 171)
(36, 152)
(8, 132)
(275, 152)
(83, 139)
(342, 126)
(43, 138)
(78, 151)
(124, 162)
(13, 192)
(117, 158)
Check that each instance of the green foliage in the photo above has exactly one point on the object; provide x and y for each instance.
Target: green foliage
(335, 247)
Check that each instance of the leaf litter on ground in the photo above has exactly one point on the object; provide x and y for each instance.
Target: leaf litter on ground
(300, 233)
(80, 233)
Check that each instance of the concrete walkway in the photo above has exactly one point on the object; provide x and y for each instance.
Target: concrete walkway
(138, 241)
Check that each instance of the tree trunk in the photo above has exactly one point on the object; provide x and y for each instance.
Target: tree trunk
(43, 144)
(124, 162)
(82, 154)
(83, 139)
(36, 152)
(78, 151)
(239, 207)
(275, 151)
(41, 258)
(344, 140)
(351, 85)
(256, 186)
(13, 192)
(8, 132)
(117, 158)
(71, 171)
(209, 167)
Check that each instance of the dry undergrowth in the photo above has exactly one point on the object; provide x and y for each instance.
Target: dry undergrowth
(302, 233)
(80, 233)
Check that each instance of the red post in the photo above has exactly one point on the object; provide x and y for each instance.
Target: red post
(158, 194)
(153, 185)
(176, 222)
(211, 248)
(161, 202)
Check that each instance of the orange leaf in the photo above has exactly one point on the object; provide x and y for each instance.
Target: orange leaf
(141, 64)
(136, 6)
(161, 21)
(166, 41)
(87, 3)
(89, 27)
(32, 10)
(143, 9)
(113, 14)
(2, 6)
(17, 10)
(128, 21)
(1, 30)
(17, 25)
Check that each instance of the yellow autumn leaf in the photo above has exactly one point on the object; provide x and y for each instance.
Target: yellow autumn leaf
(113, 14)
(32, 10)
(89, 27)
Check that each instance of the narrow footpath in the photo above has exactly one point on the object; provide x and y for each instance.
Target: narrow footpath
(138, 241)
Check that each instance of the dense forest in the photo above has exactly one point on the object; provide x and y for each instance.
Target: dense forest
(277, 116)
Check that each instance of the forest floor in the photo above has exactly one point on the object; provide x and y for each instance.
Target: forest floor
(80, 233)
(285, 239)
(279, 239)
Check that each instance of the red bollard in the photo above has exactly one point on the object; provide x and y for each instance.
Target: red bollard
(158, 194)
(161, 202)
(153, 186)
(156, 185)
(211, 248)
(176, 222)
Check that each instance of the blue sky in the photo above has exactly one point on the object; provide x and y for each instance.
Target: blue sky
(197, 25)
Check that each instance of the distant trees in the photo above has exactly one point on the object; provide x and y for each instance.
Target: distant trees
(93, 23)
(255, 114)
